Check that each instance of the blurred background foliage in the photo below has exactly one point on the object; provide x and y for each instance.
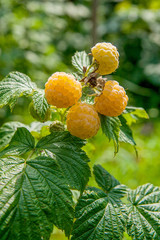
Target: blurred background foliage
(39, 37)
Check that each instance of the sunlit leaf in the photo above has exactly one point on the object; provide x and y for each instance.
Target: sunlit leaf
(100, 215)
(71, 158)
(7, 131)
(80, 60)
(14, 86)
(144, 213)
(132, 114)
(21, 142)
(34, 196)
(40, 103)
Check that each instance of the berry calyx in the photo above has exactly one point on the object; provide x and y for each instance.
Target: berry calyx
(83, 121)
(112, 101)
(62, 90)
(107, 57)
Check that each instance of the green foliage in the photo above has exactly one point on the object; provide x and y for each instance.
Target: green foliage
(125, 134)
(40, 171)
(111, 128)
(98, 217)
(118, 128)
(7, 131)
(80, 60)
(144, 212)
(34, 197)
(102, 215)
(21, 142)
(40, 104)
(18, 84)
(132, 114)
(14, 86)
(67, 151)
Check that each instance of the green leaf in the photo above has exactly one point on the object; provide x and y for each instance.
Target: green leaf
(101, 215)
(80, 60)
(21, 142)
(34, 196)
(13, 86)
(144, 213)
(104, 179)
(7, 131)
(40, 103)
(111, 128)
(125, 134)
(98, 216)
(132, 114)
(71, 158)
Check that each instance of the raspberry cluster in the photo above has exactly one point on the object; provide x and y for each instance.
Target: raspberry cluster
(62, 90)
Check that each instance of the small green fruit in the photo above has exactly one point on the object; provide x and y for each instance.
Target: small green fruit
(56, 126)
(36, 116)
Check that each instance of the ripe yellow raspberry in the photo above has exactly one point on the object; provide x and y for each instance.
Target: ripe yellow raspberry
(62, 90)
(112, 101)
(83, 121)
(106, 56)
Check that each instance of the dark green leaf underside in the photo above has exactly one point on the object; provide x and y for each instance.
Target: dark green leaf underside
(111, 128)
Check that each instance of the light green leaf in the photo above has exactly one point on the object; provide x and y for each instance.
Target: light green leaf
(98, 216)
(13, 86)
(34, 196)
(7, 131)
(132, 114)
(111, 128)
(144, 213)
(80, 60)
(108, 183)
(125, 134)
(21, 142)
(71, 158)
(40, 103)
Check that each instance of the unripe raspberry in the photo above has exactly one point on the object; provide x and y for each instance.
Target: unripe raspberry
(35, 115)
(62, 90)
(106, 56)
(112, 101)
(56, 126)
(83, 121)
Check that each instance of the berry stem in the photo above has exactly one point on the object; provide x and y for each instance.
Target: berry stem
(94, 64)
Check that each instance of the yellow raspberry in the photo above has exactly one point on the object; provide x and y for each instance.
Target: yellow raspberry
(106, 56)
(112, 101)
(62, 90)
(83, 121)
